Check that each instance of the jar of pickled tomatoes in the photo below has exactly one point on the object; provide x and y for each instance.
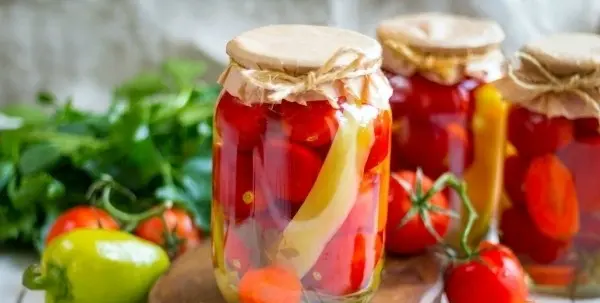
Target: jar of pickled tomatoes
(301, 166)
(550, 213)
(445, 119)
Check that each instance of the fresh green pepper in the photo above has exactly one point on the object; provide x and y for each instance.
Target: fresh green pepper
(97, 266)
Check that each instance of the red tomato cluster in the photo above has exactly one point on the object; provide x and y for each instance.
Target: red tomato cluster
(266, 161)
(176, 225)
(431, 125)
(551, 183)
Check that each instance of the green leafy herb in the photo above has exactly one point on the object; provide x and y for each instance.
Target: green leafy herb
(155, 138)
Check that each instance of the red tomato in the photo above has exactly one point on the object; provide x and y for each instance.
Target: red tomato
(496, 273)
(88, 217)
(413, 237)
(345, 264)
(514, 177)
(314, 124)
(239, 124)
(381, 146)
(419, 97)
(179, 224)
(534, 134)
(587, 127)
(447, 147)
(237, 253)
(520, 234)
(290, 170)
(362, 217)
(234, 184)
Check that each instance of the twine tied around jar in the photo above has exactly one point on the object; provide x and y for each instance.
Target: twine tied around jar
(576, 84)
(279, 85)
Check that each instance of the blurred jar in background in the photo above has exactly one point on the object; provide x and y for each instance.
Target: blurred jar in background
(444, 117)
(551, 211)
(301, 166)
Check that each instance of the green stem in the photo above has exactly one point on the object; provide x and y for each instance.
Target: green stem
(461, 188)
(33, 279)
(127, 218)
(53, 280)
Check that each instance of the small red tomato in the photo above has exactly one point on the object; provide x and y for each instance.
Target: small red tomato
(587, 127)
(177, 233)
(514, 177)
(413, 237)
(237, 253)
(81, 217)
(345, 264)
(534, 134)
(496, 273)
(234, 184)
(314, 124)
(290, 170)
(238, 124)
(381, 145)
(447, 145)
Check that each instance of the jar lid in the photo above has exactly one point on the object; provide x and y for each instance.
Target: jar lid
(557, 76)
(302, 63)
(445, 47)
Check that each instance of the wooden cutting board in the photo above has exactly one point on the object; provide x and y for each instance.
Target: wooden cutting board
(190, 280)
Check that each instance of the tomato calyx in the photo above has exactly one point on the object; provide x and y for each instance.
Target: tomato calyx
(420, 201)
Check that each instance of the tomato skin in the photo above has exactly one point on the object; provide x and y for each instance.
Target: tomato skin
(178, 222)
(345, 264)
(534, 134)
(290, 169)
(413, 237)
(587, 127)
(87, 217)
(234, 184)
(381, 145)
(239, 124)
(514, 177)
(496, 272)
(314, 124)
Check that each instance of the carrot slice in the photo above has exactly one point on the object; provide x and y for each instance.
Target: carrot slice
(270, 285)
(544, 275)
(551, 197)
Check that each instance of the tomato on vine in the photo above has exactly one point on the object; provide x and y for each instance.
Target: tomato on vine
(418, 212)
(89, 217)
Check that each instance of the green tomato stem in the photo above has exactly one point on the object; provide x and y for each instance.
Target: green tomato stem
(127, 218)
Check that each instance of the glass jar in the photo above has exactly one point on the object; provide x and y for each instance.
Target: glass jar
(550, 214)
(301, 166)
(444, 117)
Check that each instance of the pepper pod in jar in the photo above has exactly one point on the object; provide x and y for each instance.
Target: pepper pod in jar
(551, 211)
(445, 117)
(301, 166)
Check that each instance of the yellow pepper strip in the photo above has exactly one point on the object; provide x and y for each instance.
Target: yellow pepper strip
(333, 195)
(223, 279)
(484, 177)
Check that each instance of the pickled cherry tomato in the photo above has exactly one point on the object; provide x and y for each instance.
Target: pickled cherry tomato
(587, 127)
(381, 145)
(314, 124)
(290, 169)
(433, 147)
(235, 188)
(534, 134)
(237, 253)
(514, 176)
(345, 264)
(239, 124)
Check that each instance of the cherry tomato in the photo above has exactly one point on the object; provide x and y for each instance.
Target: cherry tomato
(314, 124)
(235, 186)
(178, 225)
(290, 170)
(81, 217)
(413, 237)
(345, 264)
(237, 253)
(446, 146)
(273, 284)
(381, 146)
(496, 273)
(587, 127)
(534, 134)
(514, 177)
(239, 124)
(419, 97)
(520, 234)
(362, 216)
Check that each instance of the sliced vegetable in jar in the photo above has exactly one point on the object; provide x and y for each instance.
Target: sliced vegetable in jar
(273, 284)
